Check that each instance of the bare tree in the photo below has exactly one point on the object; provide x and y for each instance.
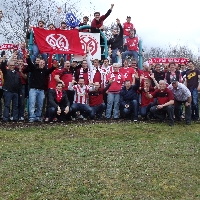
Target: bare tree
(170, 52)
(20, 14)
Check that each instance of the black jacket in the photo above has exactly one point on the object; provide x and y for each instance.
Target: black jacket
(116, 41)
(126, 96)
(52, 100)
(38, 76)
(12, 81)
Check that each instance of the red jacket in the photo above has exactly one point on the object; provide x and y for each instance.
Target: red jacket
(95, 25)
(132, 44)
(118, 80)
(127, 27)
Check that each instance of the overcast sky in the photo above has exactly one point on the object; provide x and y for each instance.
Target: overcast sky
(158, 22)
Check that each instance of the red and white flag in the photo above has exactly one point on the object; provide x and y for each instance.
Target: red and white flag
(168, 60)
(58, 41)
(8, 46)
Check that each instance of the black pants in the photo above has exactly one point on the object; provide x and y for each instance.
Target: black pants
(178, 110)
(161, 113)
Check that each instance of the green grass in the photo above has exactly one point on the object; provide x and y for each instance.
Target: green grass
(100, 161)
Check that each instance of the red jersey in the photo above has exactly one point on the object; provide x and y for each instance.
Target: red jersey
(97, 77)
(132, 44)
(145, 101)
(96, 97)
(23, 80)
(67, 77)
(118, 80)
(146, 76)
(163, 96)
(52, 81)
(127, 27)
(128, 73)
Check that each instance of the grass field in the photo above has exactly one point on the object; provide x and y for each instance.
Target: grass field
(100, 161)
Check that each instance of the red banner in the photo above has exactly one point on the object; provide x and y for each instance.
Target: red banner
(8, 46)
(58, 41)
(168, 60)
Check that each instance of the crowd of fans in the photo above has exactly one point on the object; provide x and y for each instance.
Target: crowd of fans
(112, 88)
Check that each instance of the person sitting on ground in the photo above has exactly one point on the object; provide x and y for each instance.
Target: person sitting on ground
(58, 103)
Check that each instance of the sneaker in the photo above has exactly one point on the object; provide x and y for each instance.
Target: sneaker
(171, 123)
(84, 119)
(11, 118)
(21, 119)
(30, 120)
(46, 119)
(55, 119)
(188, 122)
(135, 120)
(73, 119)
(81, 117)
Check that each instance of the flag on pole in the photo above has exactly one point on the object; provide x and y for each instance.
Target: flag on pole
(71, 20)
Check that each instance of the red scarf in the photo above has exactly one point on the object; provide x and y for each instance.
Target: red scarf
(58, 96)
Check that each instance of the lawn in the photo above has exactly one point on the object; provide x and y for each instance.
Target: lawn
(97, 161)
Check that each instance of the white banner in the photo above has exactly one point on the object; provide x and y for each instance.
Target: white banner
(93, 41)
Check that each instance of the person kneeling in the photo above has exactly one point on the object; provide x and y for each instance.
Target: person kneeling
(96, 100)
(165, 101)
(128, 100)
(80, 99)
(58, 103)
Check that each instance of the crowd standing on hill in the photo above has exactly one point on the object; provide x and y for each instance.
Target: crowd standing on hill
(112, 88)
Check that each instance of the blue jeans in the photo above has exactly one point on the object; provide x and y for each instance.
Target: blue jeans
(21, 101)
(132, 110)
(130, 53)
(114, 56)
(36, 100)
(8, 97)
(124, 41)
(36, 53)
(83, 108)
(195, 104)
(144, 110)
(112, 98)
(97, 110)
